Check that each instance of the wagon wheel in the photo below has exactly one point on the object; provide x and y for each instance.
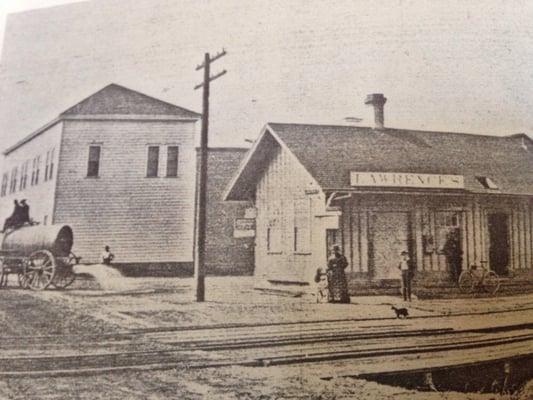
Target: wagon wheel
(491, 283)
(65, 276)
(23, 280)
(466, 282)
(3, 275)
(40, 269)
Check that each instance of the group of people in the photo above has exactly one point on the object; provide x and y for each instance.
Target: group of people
(454, 259)
(19, 217)
(332, 283)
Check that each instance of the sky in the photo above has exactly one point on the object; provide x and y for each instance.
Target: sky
(444, 66)
(11, 6)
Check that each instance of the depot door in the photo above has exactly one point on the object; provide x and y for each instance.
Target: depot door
(499, 243)
(389, 236)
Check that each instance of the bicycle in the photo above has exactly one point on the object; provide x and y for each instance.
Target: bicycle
(478, 278)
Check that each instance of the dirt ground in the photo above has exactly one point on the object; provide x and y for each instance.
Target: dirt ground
(237, 383)
(151, 302)
(159, 302)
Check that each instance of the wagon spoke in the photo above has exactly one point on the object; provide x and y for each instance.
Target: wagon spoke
(40, 269)
(49, 268)
(36, 280)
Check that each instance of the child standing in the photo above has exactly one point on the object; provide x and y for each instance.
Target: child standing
(405, 270)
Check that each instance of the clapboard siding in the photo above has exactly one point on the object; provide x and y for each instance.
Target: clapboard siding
(283, 182)
(473, 212)
(142, 219)
(39, 197)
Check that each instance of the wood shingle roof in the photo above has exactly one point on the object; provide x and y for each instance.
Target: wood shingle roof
(116, 99)
(329, 153)
(113, 101)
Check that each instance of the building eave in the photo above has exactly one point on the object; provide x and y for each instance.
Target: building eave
(229, 194)
(125, 117)
(32, 136)
(425, 192)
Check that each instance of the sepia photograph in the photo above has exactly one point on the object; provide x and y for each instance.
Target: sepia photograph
(266, 200)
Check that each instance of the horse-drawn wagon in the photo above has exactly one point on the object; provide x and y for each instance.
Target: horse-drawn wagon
(40, 256)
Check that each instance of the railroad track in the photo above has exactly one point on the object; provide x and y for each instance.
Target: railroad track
(316, 344)
(9, 341)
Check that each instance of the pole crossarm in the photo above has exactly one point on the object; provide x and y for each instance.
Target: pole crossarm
(211, 79)
(211, 59)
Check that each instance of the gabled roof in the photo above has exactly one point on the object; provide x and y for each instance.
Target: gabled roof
(116, 99)
(112, 101)
(329, 153)
(222, 163)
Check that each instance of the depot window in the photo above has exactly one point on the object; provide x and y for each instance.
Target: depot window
(274, 233)
(302, 226)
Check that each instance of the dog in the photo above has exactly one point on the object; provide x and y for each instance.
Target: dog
(400, 312)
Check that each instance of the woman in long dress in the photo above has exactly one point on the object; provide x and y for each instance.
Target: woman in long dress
(338, 286)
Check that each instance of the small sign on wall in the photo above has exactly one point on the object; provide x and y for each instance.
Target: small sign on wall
(244, 227)
(250, 213)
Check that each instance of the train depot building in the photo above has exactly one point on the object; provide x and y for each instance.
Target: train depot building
(380, 191)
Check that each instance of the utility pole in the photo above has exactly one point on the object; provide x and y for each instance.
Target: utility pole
(201, 181)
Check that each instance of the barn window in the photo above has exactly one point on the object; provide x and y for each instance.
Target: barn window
(24, 175)
(172, 161)
(3, 190)
(32, 182)
(37, 166)
(46, 165)
(93, 166)
(13, 183)
(51, 169)
(153, 161)
(302, 226)
(37, 169)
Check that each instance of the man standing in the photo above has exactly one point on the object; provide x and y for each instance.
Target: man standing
(454, 255)
(405, 270)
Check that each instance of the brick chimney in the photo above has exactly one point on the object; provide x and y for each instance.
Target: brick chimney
(377, 100)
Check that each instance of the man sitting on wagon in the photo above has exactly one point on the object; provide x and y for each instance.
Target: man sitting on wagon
(14, 220)
(24, 213)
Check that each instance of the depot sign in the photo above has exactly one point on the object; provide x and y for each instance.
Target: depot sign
(408, 180)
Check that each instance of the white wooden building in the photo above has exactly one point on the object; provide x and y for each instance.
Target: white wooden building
(379, 191)
(119, 167)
